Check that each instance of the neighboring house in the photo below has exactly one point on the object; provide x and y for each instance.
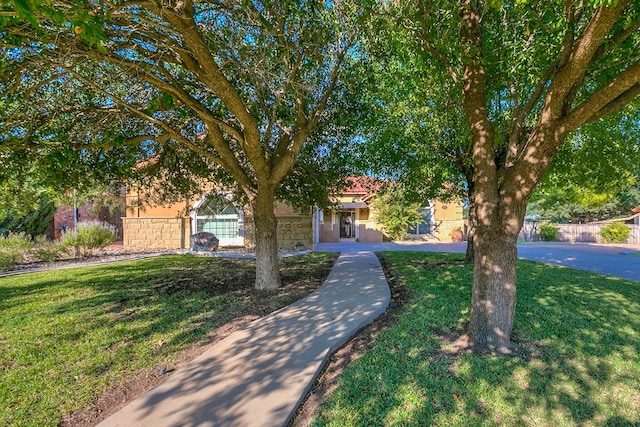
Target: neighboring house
(350, 218)
(63, 218)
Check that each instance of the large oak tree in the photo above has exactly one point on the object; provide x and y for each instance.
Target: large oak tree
(524, 76)
(240, 85)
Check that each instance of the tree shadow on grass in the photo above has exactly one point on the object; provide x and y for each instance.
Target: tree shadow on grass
(576, 354)
(111, 320)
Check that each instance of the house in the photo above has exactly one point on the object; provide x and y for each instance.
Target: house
(169, 226)
(350, 217)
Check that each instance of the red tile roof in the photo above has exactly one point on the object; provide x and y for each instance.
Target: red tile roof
(364, 185)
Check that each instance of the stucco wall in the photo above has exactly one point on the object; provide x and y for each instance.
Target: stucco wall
(447, 216)
(142, 207)
(156, 233)
(449, 211)
(369, 234)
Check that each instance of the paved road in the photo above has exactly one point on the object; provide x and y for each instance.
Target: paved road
(604, 259)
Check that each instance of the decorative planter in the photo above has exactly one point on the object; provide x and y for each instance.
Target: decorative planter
(456, 235)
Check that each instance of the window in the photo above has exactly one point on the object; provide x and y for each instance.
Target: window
(218, 215)
(424, 226)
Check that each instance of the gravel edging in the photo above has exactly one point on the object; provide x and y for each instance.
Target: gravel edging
(87, 263)
(111, 259)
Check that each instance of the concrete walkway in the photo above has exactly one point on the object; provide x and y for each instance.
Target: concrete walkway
(258, 375)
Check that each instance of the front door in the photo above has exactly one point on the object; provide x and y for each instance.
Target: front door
(347, 221)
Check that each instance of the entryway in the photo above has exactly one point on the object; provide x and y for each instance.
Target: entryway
(347, 220)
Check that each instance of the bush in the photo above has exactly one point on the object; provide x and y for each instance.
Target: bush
(16, 241)
(12, 249)
(90, 235)
(9, 259)
(47, 251)
(33, 223)
(548, 232)
(616, 232)
(395, 213)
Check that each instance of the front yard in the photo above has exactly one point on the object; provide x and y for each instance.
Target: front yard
(73, 343)
(576, 362)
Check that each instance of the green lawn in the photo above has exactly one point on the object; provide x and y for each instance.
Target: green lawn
(68, 335)
(577, 354)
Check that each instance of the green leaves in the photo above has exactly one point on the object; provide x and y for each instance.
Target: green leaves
(396, 211)
(25, 9)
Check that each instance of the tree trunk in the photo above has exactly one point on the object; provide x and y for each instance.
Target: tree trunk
(469, 256)
(493, 301)
(470, 253)
(266, 224)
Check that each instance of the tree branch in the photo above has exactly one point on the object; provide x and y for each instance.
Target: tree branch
(618, 92)
(209, 73)
(432, 49)
(170, 130)
(571, 74)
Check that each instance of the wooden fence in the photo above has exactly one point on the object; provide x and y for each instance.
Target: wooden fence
(578, 233)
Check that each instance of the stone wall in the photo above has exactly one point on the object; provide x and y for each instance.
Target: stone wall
(156, 233)
(294, 232)
(443, 229)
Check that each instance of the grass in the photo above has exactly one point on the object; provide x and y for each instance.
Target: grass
(67, 336)
(576, 362)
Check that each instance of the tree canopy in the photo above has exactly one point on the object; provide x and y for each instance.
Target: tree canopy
(228, 90)
(510, 82)
(596, 174)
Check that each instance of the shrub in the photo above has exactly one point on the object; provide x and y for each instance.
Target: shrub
(395, 212)
(47, 251)
(90, 235)
(616, 232)
(16, 241)
(12, 249)
(33, 223)
(548, 232)
(9, 259)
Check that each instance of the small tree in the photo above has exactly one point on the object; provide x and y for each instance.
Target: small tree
(616, 232)
(395, 211)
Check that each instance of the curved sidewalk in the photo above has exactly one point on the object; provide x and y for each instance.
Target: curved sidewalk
(258, 375)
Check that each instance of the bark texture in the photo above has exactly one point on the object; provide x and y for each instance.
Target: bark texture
(266, 226)
(494, 287)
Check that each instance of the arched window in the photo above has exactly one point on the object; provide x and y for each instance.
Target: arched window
(218, 215)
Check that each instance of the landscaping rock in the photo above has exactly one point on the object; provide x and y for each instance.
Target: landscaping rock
(204, 242)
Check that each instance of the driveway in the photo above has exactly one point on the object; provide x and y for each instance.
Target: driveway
(605, 259)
